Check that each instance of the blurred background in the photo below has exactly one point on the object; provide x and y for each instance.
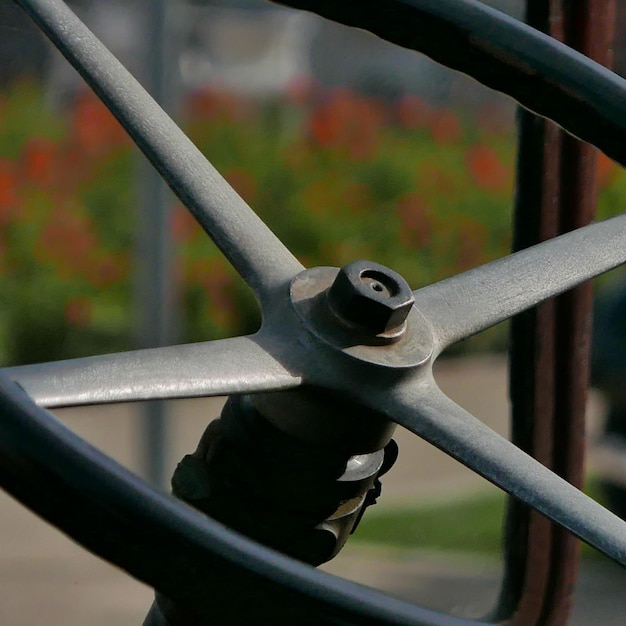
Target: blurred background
(348, 148)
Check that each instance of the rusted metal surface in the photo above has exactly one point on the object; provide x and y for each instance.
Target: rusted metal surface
(550, 345)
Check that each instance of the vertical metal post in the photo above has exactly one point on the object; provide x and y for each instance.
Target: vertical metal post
(550, 344)
(154, 287)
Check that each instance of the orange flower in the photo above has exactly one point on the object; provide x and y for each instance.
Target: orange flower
(606, 169)
(486, 168)
(94, 128)
(39, 160)
(8, 191)
(445, 127)
(78, 311)
(413, 112)
(349, 123)
(323, 127)
(69, 241)
(214, 104)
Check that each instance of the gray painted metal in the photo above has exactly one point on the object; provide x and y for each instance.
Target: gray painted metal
(255, 252)
(395, 349)
(407, 395)
(481, 297)
(213, 368)
(154, 288)
(371, 296)
(422, 408)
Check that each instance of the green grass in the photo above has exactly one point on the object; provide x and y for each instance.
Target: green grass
(469, 525)
(472, 524)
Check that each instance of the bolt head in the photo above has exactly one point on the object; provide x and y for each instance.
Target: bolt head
(370, 296)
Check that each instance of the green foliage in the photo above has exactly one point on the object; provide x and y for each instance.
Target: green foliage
(337, 176)
(23, 115)
(465, 525)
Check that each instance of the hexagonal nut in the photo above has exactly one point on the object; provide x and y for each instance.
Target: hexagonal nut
(370, 296)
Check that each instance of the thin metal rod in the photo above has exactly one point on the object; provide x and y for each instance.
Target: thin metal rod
(154, 288)
(255, 252)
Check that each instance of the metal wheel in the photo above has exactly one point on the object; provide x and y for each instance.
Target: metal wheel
(302, 345)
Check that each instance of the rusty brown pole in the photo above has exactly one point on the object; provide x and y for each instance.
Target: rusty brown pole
(550, 345)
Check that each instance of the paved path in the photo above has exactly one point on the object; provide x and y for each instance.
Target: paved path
(46, 579)
(468, 586)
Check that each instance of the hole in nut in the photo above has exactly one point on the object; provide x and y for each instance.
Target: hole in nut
(379, 282)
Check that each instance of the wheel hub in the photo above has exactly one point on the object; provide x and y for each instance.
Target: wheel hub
(374, 321)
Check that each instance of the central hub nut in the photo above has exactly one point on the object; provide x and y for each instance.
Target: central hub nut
(370, 296)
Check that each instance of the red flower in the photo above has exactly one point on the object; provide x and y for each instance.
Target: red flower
(94, 128)
(486, 168)
(69, 242)
(213, 104)
(8, 191)
(445, 127)
(413, 112)
(39, 160)
(348, 122)
(606, 169)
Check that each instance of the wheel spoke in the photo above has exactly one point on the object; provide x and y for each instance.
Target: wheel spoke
(426, 411)
(475, 300)
(257, 254)
(240, 365)
(542, 74)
